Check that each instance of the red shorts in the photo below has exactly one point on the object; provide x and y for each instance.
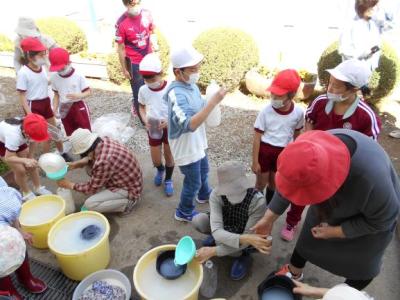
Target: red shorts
(41, 107)
(77, 117)
(268, 156)
(3, 149)
(158, 142)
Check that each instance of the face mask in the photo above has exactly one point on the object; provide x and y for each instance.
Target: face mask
(154, 85)
(277, 103)
(335, 97)
(135, 11)
(193, 78)
(65, 71)
(39, 62)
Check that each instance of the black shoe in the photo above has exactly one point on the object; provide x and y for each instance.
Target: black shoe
(67, 157)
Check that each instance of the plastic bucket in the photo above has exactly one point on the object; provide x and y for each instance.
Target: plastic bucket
(116, 276)
(151, 256)
(41, 230)
(81, 264)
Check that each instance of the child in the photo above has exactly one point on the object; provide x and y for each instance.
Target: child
(14, 151)
(276, 126)
(70, 89)
(32, 86)
(187, 111)
(341, 107)
(153, 107)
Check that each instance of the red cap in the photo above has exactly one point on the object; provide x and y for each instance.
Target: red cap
(59, 58)
(32, 44)
(312, 169)
(286, 81)
(35, 126)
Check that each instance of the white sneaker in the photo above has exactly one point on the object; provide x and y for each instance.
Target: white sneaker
(42, 191)
(28, 196)
(200, 201)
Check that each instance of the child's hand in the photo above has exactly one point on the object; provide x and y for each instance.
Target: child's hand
(76, 96)
(28, 237)
(217, 98)
(256, 168)
(163, 124)
(30, 163)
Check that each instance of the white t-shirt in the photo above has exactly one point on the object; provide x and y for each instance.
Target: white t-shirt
(71, 84)
(11, 136)
(189, 147)
(278, 127)
(156, 106)
(34, 83)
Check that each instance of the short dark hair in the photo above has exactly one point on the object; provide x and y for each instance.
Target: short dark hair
(92, 148)
(27, 55)
(128, 2)
(152, 75)
(361, 6)
(365, 90)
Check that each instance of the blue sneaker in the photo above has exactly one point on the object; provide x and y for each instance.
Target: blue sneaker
(169, 188)
(208, 241)
(240, 266)
(180, 216)
(158, 179)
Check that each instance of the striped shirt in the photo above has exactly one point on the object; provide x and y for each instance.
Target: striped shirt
(359, 117)
(10, 203)
(115, 167)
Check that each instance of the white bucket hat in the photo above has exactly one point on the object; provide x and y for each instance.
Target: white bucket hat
(81, 140)
(352, 71)
(186, 57)
(233, 182)
(345, 292)
(150, 64)
(27, 27)
(12, 249)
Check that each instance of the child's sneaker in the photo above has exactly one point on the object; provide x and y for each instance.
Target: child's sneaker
(28, 196)
(42, 191)
(288, 232)
(200, 201)
(179, 216)
(285, 271)
(169, 188)
(158, 179)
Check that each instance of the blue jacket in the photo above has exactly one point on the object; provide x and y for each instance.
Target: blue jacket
(184, 101)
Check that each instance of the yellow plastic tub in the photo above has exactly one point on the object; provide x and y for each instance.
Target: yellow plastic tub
(80, 264)
(46, 211)
(148, 260)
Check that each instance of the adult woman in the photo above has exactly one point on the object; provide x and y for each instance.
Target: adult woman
(14, 151)
(354, 195)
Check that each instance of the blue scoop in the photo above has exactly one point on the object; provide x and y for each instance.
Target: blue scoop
(185, 251)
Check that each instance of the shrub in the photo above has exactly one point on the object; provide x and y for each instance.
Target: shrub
(114, 66)
(65, 32)
(383, 80)
(3, 167)
(6, 44)
(229, 54)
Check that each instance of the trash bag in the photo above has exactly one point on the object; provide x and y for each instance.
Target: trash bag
(90, 232)
(115, 126)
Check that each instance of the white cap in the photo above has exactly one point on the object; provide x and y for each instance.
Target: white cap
(352, 71)
(12, 249)
(81, 140)
(150, 65)
(186, 57)
(27, 27)
(345, 292)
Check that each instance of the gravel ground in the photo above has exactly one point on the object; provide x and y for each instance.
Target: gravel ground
(232, 140)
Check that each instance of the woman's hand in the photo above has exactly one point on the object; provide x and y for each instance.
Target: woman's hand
(325, 231)
(66, 184)
(205, 253)
(264, 225)
(258, 241)
(307, 290)
(30, 163)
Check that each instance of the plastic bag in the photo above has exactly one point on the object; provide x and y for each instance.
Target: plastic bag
(115, 126)
(214, 118)
(68, 198)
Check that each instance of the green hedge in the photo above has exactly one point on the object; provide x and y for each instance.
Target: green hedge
(6, 44)
(114, 66)
(229, 53)
(65, 32)
(3, 167)
(383, 80)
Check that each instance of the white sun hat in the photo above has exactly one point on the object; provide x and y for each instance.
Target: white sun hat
(81, 140)
(186, 56)
(345, 292)
(26, 27)
(150, 65)
(352, 71)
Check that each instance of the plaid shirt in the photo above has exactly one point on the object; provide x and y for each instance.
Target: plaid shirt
(10, 204)
(115, 167)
